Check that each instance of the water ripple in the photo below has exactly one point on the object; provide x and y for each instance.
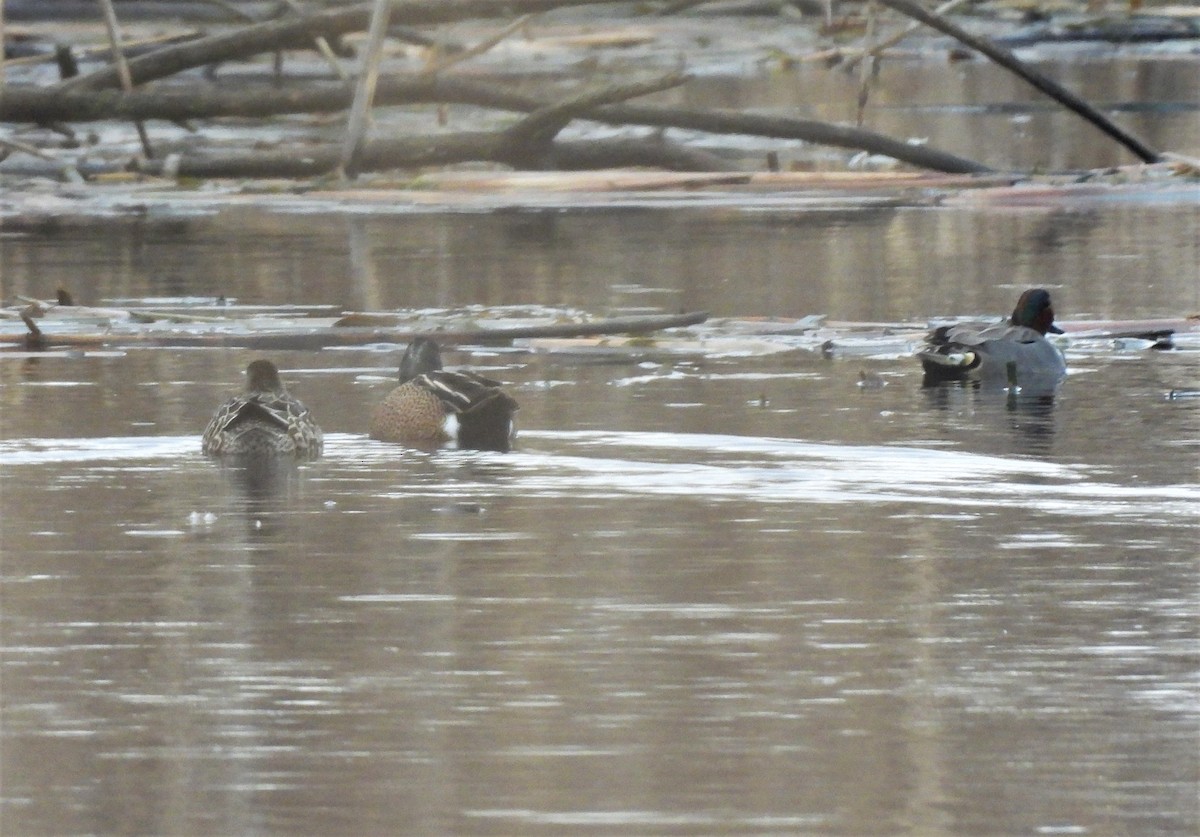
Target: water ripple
(599, 464)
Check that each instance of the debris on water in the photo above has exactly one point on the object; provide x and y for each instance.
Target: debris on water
(870, 380)
(877, 346)
(1133, 344)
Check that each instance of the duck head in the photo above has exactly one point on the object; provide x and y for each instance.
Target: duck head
(421, 356)
(1034, 311)
(263, 376)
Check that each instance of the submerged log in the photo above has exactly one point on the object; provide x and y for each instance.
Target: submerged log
(442, 150)
(356, 335)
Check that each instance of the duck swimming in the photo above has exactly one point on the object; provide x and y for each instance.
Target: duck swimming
(433, 406)
(1015, 352)
(265, 420)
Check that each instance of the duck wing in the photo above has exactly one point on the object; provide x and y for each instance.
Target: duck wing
(462, 392)
(278, 415)
(953, 351)
(268, 409)
(484, 410)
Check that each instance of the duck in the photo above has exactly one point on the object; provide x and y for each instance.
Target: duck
(1014, 352)
(433, 406)
(264, 420)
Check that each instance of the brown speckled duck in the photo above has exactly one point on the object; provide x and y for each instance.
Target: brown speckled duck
(265, 420)
(433, 406)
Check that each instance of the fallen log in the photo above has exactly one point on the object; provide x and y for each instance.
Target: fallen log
(353, 335)
(442, 150)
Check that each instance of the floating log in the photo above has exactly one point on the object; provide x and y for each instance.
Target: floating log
(320, 338)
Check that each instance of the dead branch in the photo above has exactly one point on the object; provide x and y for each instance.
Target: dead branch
(1043, 83)
(530, 139)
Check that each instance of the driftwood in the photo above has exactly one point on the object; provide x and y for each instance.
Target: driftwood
(531, 143)
(356, 335)
(205, 102)
(85, 98)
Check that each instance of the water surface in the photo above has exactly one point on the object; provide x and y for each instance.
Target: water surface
(736, 595)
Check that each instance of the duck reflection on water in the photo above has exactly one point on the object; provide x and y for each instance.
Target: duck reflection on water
(1030, 416)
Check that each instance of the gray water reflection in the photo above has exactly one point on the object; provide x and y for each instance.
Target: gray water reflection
(1114, 256)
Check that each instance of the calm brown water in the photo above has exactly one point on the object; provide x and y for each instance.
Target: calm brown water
(740, 596)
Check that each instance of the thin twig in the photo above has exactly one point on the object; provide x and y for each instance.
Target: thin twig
(1043, 83)
(480, 48)
(890, 41)
(322, 45)
(864, 78)
(67, 169)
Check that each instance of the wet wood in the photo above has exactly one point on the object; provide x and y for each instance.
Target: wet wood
(297, 337)
(529, 143)
(443, 150)
(204, 102)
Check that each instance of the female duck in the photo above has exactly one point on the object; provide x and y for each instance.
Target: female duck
(265, 420)
(1013, 352)
(432, 406)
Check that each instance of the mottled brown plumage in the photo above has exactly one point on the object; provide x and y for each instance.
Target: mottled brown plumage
(432, 406)
(265, 420)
